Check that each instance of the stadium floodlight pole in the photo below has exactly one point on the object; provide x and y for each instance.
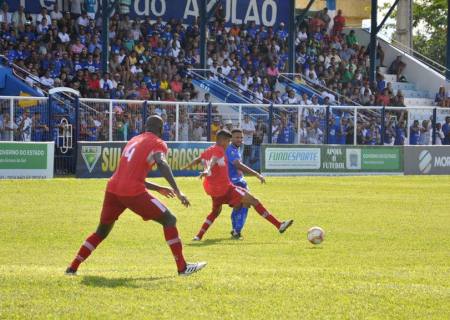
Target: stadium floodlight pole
(327, 125)
(292, 31)
(204, 18)
(203, 26)
(447, 73)
(373, 39)
(292, 35)
(107, 10)
(434, 121)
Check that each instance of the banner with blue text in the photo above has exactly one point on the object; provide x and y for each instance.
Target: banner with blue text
(262, 12)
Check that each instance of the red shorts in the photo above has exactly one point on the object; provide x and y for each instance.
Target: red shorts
(233, 197)
(145, 205)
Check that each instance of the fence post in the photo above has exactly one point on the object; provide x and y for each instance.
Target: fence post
(110, 121)
(208, 122)
(383, 125)
(11, 114)
(144, 111)
(77, 133)
(269, 129)
(50, 122)
(355, 125)
(327, 124)
(177, 119)
(433, 139)
(240, 116)
(77, 119)
(299, 119)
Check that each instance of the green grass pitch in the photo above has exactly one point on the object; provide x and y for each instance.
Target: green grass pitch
(386, 254)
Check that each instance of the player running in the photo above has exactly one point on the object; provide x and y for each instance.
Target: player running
(235, 171)
(127, 189)
(217, 184)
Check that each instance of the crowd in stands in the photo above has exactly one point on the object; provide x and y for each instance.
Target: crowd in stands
(150, 60)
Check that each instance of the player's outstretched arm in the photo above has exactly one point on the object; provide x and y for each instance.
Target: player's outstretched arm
(247, 170)
(194, 162)
(167, 174)
(165, 191)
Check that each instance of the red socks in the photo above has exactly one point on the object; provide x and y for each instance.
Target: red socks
(171, 235)
(174, 242)
(208, 222)
(266, 215)
(86, 249)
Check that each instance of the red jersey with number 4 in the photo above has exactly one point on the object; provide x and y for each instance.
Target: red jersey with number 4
(217, 183)
(129, 178)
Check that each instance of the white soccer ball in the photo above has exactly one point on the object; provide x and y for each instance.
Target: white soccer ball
(316, 235)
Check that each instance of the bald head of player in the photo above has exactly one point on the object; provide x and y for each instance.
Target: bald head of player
(154, 124)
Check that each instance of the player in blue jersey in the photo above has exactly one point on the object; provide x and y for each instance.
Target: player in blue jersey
(235, 171)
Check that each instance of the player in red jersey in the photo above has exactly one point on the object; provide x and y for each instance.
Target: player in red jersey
(217, 184)
(127, 189)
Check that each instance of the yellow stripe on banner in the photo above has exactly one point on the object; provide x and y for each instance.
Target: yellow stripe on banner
(27, 103)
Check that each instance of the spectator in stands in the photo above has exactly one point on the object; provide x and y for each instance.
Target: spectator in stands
(5, 15)
(400, 132)
(380, 55)
(198, 131)
(414, 133)
(425, 133)
(8, 127)
(441, 98)
(390, 131)
(75, 8)
(248, 129)
(351, 39)
(18, 18)
(397, 67)
(228, 125)
(215, 126)
(446, 131)
(286, 131)
(314, 133)
(372, 135)
(56, 14)
(276, 127)
(439, 137)
(323, 15)
(339, 23)
(384, 99)
(24, 127)
(3, 120)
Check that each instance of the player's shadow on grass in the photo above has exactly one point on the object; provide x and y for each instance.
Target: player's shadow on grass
(103, 282)
(223, 241)
(211, 242)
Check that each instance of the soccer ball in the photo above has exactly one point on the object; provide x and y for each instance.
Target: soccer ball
(316, 235)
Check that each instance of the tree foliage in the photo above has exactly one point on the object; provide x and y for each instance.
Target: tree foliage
(430, 28)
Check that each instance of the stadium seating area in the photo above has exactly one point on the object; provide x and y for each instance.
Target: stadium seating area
(150, 60)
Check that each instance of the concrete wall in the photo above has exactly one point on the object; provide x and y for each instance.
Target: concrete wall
(416, 72)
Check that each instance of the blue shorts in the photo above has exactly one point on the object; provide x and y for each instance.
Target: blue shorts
(240, 183)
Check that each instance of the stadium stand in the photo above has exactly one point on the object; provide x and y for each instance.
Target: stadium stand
(157, 60)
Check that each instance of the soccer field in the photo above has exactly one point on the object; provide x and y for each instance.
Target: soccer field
(386, 254)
